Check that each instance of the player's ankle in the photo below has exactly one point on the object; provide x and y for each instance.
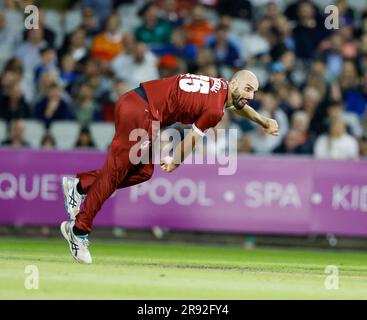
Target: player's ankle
(79, 188)
(79, 233)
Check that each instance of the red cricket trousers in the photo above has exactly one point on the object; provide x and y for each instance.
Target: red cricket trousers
(131, 112)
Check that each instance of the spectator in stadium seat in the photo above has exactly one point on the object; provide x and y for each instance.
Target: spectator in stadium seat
(68, 73)
(350, 44)
(92, 73)
(76, 45)
(331, 55)
(245, 144)
(225, 52)
(168, 66)
(29, 51)
(16, 135)
(53, 107)
(257, 42)
(210, 70)
(350, 90)
(139, 67)
(335, 110)
(102, 8)
(14, 106)
(234, 8)
(300, 122)
(271, 9)
(169, 11)
(346, 14)
(47, 80)
(337, 143)
(129, 43)
(293, 102)
(48, 35)
(8, 38)
(291, 11)
(85, 108)
(154, 31)
(205, 57)
(270, 107)
(312, 105)
(89, 24)
(108, 105)
(309, 31)
(278, 77)
(109, 43)
(199, 28)
(48, 64)
(85, 140)
(292, 143)
(284, 28)
(179, 47)
(8, 79)
(48, 141)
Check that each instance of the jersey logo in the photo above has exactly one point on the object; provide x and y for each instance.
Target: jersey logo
(216, 85)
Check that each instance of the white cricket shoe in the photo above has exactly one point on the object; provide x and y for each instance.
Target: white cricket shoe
(72, 198)
(78, 246)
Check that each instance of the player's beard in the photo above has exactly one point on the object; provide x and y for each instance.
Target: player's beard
(238, 101)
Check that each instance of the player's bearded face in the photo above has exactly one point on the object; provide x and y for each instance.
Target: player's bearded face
(238, 100)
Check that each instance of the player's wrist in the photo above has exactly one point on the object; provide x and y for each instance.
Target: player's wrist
(265, 123)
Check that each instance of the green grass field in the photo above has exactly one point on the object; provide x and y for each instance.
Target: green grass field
(167, 271)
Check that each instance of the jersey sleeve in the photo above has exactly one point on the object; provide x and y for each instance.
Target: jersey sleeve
(208, 119)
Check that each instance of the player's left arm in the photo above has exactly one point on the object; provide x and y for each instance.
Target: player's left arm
(180, 152)
(269, 125)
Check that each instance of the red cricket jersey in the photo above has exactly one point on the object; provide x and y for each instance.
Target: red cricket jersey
(187, 98)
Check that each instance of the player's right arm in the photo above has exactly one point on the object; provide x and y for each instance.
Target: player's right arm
(181, 151)
(269, 125)
(208, 119)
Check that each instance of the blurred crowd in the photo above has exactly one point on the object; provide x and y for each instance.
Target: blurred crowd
(313, 80)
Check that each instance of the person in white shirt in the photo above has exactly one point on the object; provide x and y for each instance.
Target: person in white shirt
(337, 144)
(136, 68)
(270, 108)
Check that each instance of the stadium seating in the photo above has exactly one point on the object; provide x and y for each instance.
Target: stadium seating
(73, 19)
(53, 20)
(128, 14)
(102, 134)
(66, 133)
(3, 130)
(15, 22)
(34, 131)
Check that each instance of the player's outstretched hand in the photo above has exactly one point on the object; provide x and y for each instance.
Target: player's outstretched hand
(272, 127)
(167, 164)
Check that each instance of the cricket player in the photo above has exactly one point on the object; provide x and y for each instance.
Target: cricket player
(186, 98)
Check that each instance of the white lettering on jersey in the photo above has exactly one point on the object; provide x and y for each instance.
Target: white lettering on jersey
(216, 85)
(194, 83)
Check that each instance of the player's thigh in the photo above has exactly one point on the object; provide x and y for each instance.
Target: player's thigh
(137, 174)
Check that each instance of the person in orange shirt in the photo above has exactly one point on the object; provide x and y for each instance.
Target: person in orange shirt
(199, 28)
(108, 44)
